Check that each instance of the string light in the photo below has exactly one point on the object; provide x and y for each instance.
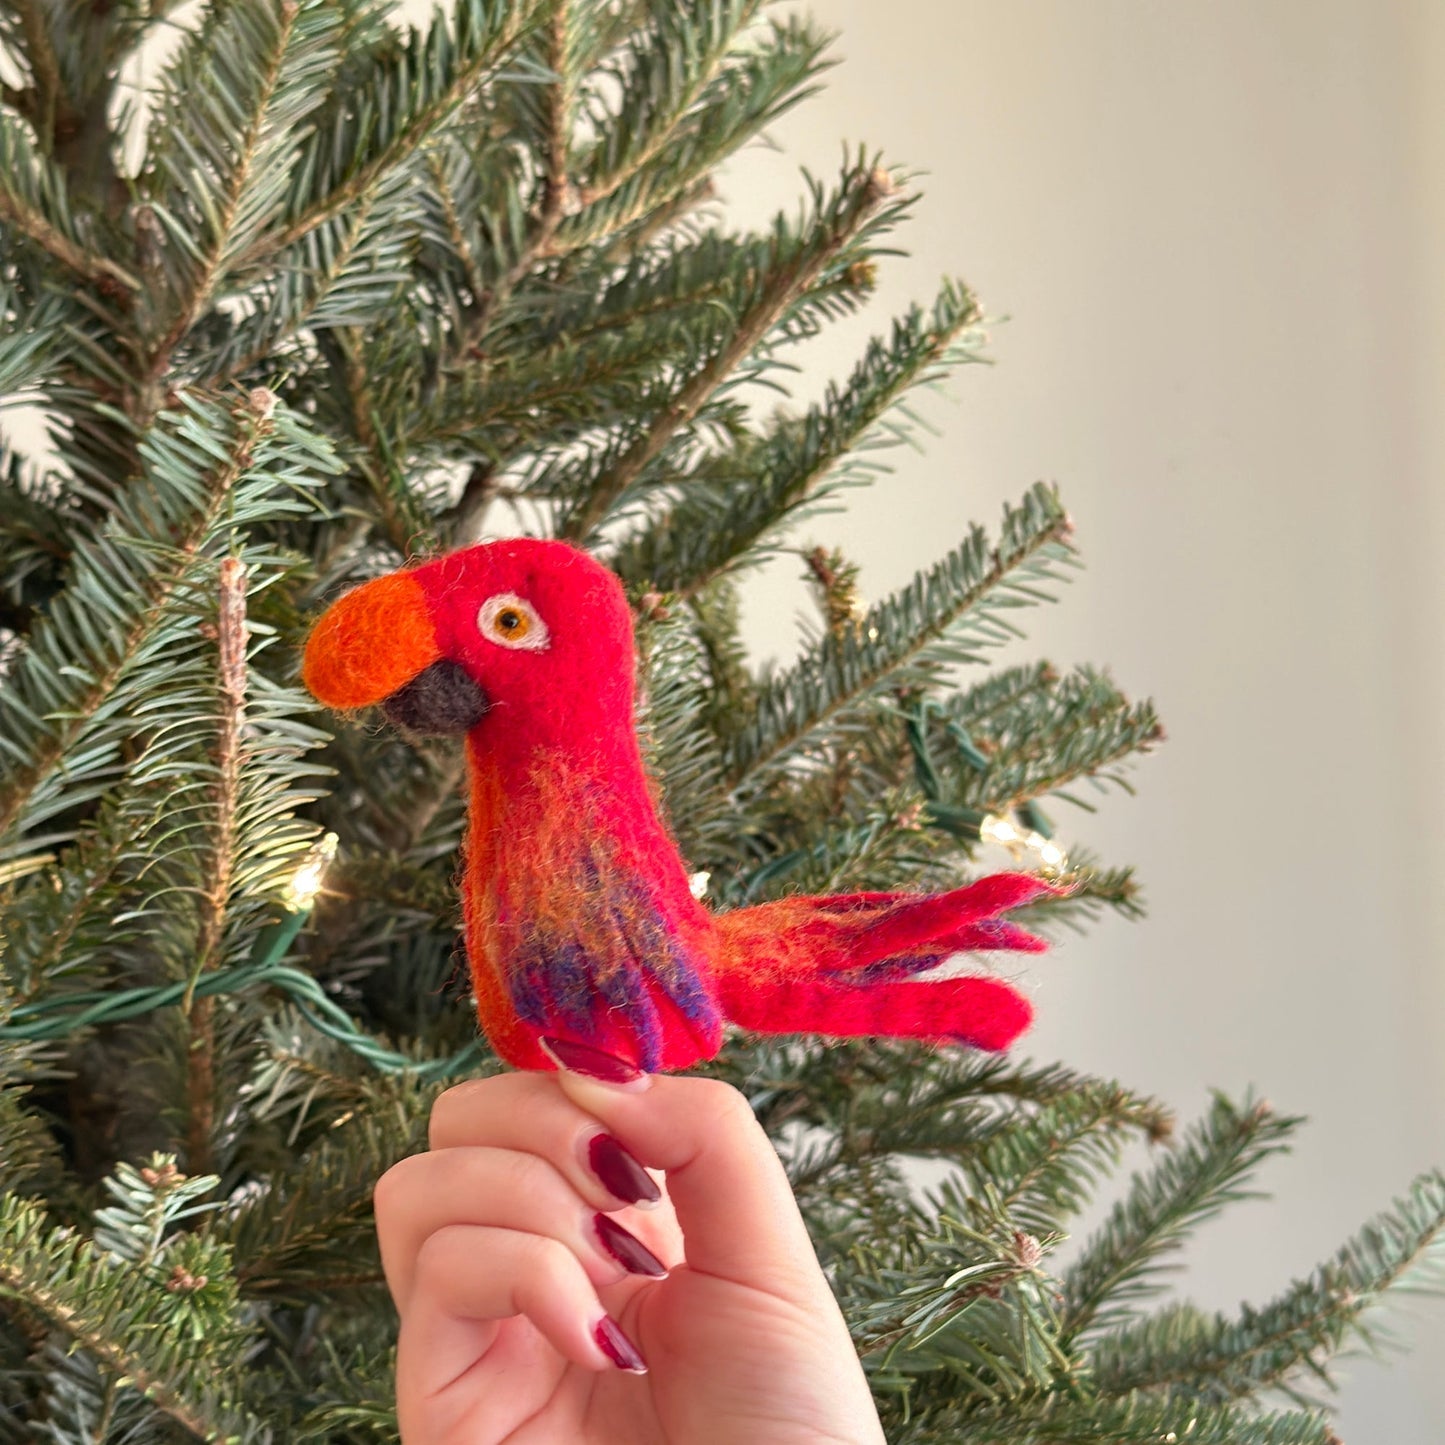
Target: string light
(996, 829)
(697, 885)
(307, 880)
(1020, 841)
(59, 1018)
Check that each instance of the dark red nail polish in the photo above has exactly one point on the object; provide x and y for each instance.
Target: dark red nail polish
(583, 1059)
(627, 1249)
(620, 1173)
(617, 1347)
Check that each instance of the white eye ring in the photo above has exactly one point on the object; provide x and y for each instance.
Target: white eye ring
(510, 621)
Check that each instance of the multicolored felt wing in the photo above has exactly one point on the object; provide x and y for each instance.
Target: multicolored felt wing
(581, 927)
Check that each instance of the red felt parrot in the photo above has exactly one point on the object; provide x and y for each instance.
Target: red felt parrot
(581, 927)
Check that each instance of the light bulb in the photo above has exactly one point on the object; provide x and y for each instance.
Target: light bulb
(999, 830)
(307, 880)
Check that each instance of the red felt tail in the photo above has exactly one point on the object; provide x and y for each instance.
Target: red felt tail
(852, 931)
(963, 919)
(979, 1011)
(840, 965)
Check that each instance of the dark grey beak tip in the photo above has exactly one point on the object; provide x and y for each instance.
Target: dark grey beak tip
(440, 701)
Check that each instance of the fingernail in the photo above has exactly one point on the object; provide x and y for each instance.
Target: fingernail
(620, 1173)
(627, 1249)
(617, 1347)
(583, 1059)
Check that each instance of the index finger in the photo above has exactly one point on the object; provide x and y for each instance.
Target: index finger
(726, 1182)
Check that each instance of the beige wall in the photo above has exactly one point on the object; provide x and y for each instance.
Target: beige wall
(1217, 228)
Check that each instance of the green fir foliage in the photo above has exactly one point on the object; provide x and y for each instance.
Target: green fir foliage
(326, 294)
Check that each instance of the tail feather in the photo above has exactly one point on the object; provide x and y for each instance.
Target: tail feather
(840, 965)
(994, 933)
(914, 922)
(982, 1012)
(852, 930)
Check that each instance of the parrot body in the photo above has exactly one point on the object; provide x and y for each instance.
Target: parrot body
(580, 922)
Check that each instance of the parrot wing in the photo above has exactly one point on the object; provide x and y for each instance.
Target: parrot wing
(843, 965)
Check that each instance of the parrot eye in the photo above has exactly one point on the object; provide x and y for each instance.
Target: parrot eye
(512, 622)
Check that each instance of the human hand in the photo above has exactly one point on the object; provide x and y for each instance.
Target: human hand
(493, 1258)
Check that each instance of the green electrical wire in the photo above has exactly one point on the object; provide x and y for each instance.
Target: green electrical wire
(58, 1018)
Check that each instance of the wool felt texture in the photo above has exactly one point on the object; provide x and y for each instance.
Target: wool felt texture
(580, 922)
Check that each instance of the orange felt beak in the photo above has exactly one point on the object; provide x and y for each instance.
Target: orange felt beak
(370, 643)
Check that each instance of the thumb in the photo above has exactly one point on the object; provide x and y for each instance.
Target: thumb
(732, 1199)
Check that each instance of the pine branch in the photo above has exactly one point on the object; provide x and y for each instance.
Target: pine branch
(557, 189)
(30, 1161)
(549, 380)
(33, 201)
(943, 617)
(222, 150)
(314, 1223)
(717, 618)
(1034, 735)
(142, 889)
(986, 1076)
(594, 369)
(133, 1325)
(218, 870)
(344, 273)
(472, 257)
(52, 928)
(1000, 694)
(63, 690)
(1137, 1420)
(669, 65)
(1040, 1166)
(673, 215)
(1216, 1359)
(401, 519)
(865, 193)
(423, 82)
(956, 1302)
(81, 911)
(736, 502)
(80, 1402)
(399, 885)
(1029, 1137)
(874, 848)
(675, 692)
(685, 106)
(76, 52)
(1082, 727)
(1120, 1264)
(463, 251)
(38, 52)
(1092, 889)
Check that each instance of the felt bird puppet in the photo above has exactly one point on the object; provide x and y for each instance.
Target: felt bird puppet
(581, 927)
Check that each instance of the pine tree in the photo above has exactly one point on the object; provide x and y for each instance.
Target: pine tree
(327, 295)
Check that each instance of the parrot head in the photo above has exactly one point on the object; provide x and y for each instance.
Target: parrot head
(524, 638)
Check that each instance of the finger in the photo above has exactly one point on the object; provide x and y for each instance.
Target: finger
(501, 1188)
(733, 1201)
(528, 1111)
(470, 1278)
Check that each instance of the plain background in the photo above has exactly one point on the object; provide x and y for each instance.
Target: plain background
(1217, 231)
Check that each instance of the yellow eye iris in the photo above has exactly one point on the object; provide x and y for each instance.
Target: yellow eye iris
(512, 621)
